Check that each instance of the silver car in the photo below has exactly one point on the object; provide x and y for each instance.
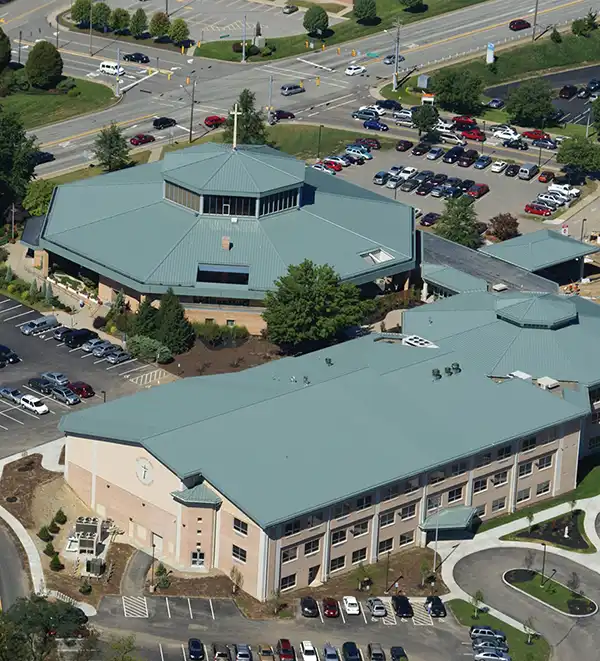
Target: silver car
(490, 655)
(376, 606)
(487, 644)
(94, 343)
(64, 395)
(104, 349)
(117, 357)
(12, 394)
(55, 378)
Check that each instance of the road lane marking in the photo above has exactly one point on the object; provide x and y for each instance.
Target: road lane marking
(190, 607)
(26, 13)
(168, 607)
(212, 612)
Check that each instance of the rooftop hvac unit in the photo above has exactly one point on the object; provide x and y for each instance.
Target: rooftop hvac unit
(436, 374)
(234, 219)
(416, 341)
(448, 371)
(499, 287)
(517, 374)
(547, 383)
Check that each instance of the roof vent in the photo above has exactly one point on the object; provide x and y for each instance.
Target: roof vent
(416, 341)
(328, 362)
(226, 243)
(456, 368)
(234, 219)
(517, 374)
(547, 383)
(306, 381)
(500, 287)
(436, 374)
(448, 371)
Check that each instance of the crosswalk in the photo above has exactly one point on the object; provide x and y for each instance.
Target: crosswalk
(135, 607)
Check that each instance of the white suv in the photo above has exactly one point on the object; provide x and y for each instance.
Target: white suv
(564, 189)
(407, 173)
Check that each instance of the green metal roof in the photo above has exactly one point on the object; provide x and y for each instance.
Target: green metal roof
(561, 347)
(450, 518)
(539, 250)
(320, 409)
(452, 279)
(198, 495)
(96, 222)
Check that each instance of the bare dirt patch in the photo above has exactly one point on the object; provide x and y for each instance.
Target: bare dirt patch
(217, 586)
(203, 360)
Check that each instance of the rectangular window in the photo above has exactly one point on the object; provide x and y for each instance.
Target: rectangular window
(386, 519)
(338, 536)
(406, 538)
(455, 494)
(342, 510)
(363, 502)
(433, 502)
(292, 528)
(480, 511)
(411, 485)
(239, 553)
(595, 416)
(312, 547)
(288, 582)
(544, 462)
(505, 452)
(390, 492)
(229, 205)
(386, 545)
(359, 556)
(500, 478)
(542, 488)
(279, 202)
(287, 555)
(436, 477)
(223, 274)
(182, 196)
(552, 435)
(528, 444)
(458, 469)
(240, 526)
(523, 495)
(361, 528)
(594, 444)
(499, 504)
(337, 563)
(197, 559)
(483, 460)
(408, 511)
(314, 520)
(525, 469)
(480, 485)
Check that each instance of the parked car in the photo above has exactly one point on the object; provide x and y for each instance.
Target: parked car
(478, 190)
(439, 178)
(64, 395)
(376, 606)
(365, 114)
(402, 606)
(350, 651)
(567, 92)
(330, 607)
(584, 93)
(39, 325)
(322, 168)
(140, 58)
(421, 148)
(340, 160)
(220, 652)
(434, 153)
(482, 162)
(355, 70)
(375, 652)
(93, 343)
(407, 173)
(404, 145)
(266, 652)
(195, 650)
(308, 651)
(394, 182)
(397, 653)
(359, 151)
(8, 355)
(330, 653)
(512, 170)
(466, 184)
(496, 104)
(474, 134)
(545, 144)
(389, 104)
(370, 143)
(375, 125)
(82, 389)
(487, 644)
(11, 394)
(284, 650)
(351, 605)
(499, 166)
(429, 219)
(433, 604)
(485, 631)
(409, 185)
(468, 158)
(243, 652)
(490, 655)
(516, 144)
(103, 350)
(289, 9)
(161, 123)
(79, 337)
(464, 119)
(564, 188)
(546, 176)
(550, 200)
(55, 378)
(535, 134)
(378, 109)
(519, 24)
(381, 178)
(119, 356)
(61, 332)
(40, 385)
(425, 188)
(538, 209)
(141, 139)
(424, 175)
(308, 607)
(214, 121)
(453, 154)
(332, 165)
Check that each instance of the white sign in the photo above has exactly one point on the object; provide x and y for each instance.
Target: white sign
(564, 230)
(490, 57)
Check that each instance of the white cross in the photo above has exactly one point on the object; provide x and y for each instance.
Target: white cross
(236, 113)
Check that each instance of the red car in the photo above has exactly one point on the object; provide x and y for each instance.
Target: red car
(546, 177)
(330, 165)
(478, 190)
(464, 119)
(141, 139)
(284, 650)
(370, 143)
(82, 389)
(474, 134)
(330, 607)
(404, 145)
(214, 121)
(519, 24)
(536, 134)
(537, 209)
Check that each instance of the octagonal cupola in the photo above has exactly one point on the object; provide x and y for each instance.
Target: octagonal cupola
(546, 311)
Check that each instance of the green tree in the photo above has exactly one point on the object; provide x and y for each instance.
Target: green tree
(580, 28)
(412, 5)
(591, 20)
(174, 330)
(16, 159)
(315, 20)
(122, 649)
(34, 292)
(159, 24)
(459, 91)
(425, 118)
(60, 517)
(476, 601)
(14, 646)
(596, 115)
(365, 11)
(49, 293)
(310, 305)
(49, 549)
(5, 50)
(251, 128)
(458, 222)
(119, 19)
(504, 226)
(111, 148)
(100, 15)
(44, 65)
(179, 31)
(144, 322)
(556, 36)
(530, 103)
(39, 194)
(80, 11)
(139, 23)
(580, 153)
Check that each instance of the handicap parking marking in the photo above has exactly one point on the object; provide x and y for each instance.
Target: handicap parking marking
(421, 617)
(135, 607)
(390, 617)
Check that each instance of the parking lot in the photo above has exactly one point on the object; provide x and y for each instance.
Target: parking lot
(21, 430)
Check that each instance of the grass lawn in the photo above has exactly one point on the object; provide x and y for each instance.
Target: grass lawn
(348, 30)
(588, 480)
(539, 650)
(330, 7)
(551, 592)
(37, 108)
(94, 170)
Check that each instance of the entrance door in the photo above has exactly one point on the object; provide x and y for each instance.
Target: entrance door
(157, 543)
(313, 573)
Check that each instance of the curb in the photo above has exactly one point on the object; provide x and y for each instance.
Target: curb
(541, 601)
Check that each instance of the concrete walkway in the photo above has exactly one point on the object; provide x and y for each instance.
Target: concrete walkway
(133, 581)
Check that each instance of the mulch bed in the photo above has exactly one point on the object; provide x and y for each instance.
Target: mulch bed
(202, 360)
(553, 532)
(217, 587)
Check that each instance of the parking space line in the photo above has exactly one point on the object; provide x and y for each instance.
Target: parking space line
(40, 395)
(18, 407)
(136, 369)
(212, 612)
(190, 607)
(341, 612)
(320, 613)
(160, 649)
(89, 354)
(183, 652)
(362, 610)
(6, 300)
(112, 367)
(168, 607)
(102, 360)
(14, 307)
(23, 314)
(3, 427)
(10, 418)
(75, 349)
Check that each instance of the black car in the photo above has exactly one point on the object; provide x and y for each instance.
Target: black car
(350, 652)
(39, 384)
(420, 149)
(516, 144)
(8, 355)
(468, 158)
(450, 192)
(435, 607)
(61, 332)
(557, 116)
(584, 93)
(409, 185)
(164, 123)
(452, 155)
(195, 649)
(283, 114)
(39, 157)
(136, 57)
(397, 653)
(424, 175)
(454, 182)
(429, 219)
(439, 178)
(402, 606)
(465, 185)
(567, 92)
(404, 145)
(593, 85)
(544, 143)
(512, 170)
(425, 188)
(309, 607)
(354, 160)
(463, 126)
(77, 338)
(388, 104)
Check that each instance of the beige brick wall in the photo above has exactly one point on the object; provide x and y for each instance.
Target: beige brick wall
(252, 320)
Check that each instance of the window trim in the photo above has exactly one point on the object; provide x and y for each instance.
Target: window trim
(339, 557)
(287, 550)
(357, 562)
(410, 516)
(525, 465)
(391, 513)
(339, 531)
(412, 538)
(545, 457)
(243, 551)
(385, 541)
(311, 541)
(243, 523)
(500, 484)
(460, 496)
(360, 534)
(288, 587)
(543, 493)
(503, 499)
(481, 479)
(523, 500)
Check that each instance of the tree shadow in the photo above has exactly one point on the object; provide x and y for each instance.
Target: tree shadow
(419, 9)
(325, 34)
(369, 22)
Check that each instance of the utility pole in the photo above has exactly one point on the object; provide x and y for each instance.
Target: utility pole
(118, 76)
(270, 96)
(167, 7)
(587, 126)
(396, 55)
(192, 109)
(244, 41)
(56, 36)
(20, 37)
(535, 15)
(437, 535)
(13, 222)
(583, 221)
(91, 6)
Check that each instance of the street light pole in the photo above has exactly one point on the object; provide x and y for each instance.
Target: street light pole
(192, 108)
(437, 534)
(91, 6)
(587, 126)
(396, 56)
(319, 141)
(167, 7)
(535, 16)
(387, 570)
(152, 575)
(244, 41)
(543, 563)
(270, 108)
(103, 396)
(56, 35)
(20, 38)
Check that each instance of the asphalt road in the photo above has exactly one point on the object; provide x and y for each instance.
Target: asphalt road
(572, 638)
(14, 582)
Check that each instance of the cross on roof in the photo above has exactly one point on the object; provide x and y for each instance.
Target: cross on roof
(236, 113)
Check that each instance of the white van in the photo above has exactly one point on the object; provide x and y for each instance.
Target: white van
(111, 68)
(451, 138)
(528, 171)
